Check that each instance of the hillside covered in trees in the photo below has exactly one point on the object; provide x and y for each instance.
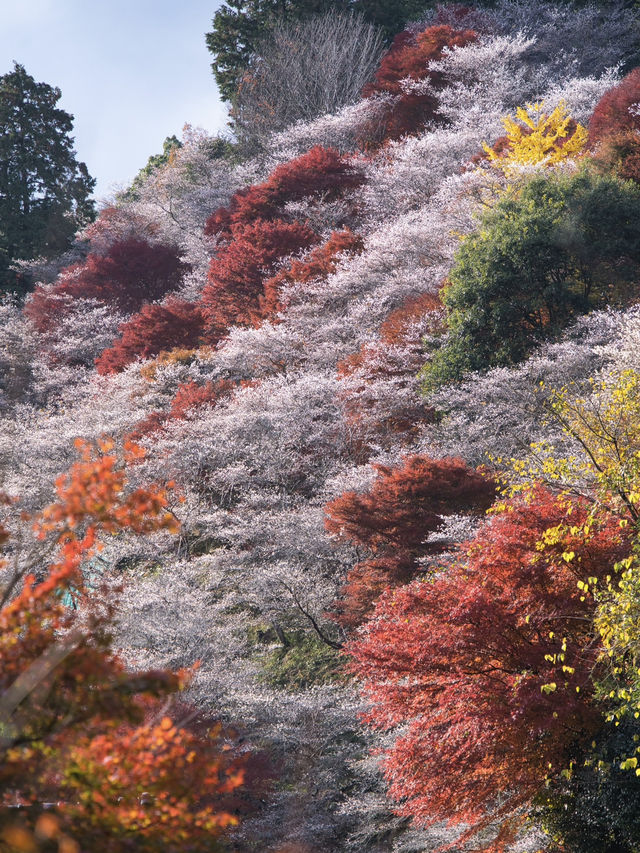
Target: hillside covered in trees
(320, 458)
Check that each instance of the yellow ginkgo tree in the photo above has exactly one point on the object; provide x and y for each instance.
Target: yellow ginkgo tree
(537, 138)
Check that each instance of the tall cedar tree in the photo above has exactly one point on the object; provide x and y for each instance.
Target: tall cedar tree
(488, 667)
(394, 520)
(44, 191)
(239, 26)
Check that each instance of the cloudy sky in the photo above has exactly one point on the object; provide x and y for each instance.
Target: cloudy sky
(131, 72)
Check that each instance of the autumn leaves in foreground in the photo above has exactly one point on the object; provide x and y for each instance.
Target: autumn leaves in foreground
(110, 749)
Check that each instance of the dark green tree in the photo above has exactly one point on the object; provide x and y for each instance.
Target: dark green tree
(44, 191)
(558, 248)
(240, 26)
(596, 806)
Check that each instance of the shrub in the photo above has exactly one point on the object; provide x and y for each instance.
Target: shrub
(321, 172)
(157, 327)
(394, 521)
(236, 275)
(404, 67)
(487, 669)
(617, 110)
(562, 246)
(130, 273)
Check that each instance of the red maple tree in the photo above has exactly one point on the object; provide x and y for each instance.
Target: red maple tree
(130, 273)
(321, 173)
(488, 666)
(155, 329)
(238, 272)
(408, 61)
(394, 520)
(614, 112)
(316, 265)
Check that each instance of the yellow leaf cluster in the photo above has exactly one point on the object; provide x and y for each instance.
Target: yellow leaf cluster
(538, 139)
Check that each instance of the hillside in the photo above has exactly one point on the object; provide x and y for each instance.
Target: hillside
(336, 355)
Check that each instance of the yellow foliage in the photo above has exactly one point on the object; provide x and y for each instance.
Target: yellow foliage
(603, 425)
(177, 355)
(538, 139)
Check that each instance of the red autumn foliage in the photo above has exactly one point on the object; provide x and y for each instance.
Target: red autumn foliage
(318, 264)
(406, 325)
(408, 59)
(129, 274)
(394, 520)
(77, 725)
(321, 172)
(488, 666)
(236, 275)
(612, 114)
(620, 153)
(188, 397)
(156, 328)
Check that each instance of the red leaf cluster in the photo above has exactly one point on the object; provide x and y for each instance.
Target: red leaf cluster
(405, 327)
(321, 172)
(613, 114)
(394, 520)
(317, 265)
(130, 273)
(188, 397)
(237, 273)
(488, 665)
(408, 60)
(156, 328)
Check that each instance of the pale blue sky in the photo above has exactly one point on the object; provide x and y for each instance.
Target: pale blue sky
(131, 72)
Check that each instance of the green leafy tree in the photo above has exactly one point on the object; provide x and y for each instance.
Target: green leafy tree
(555, 249)
(240, 26)
(44, 190)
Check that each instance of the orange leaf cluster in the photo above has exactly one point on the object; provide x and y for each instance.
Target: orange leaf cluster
(72, 727)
